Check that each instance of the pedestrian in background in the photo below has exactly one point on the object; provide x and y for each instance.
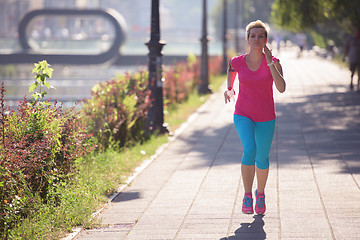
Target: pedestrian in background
(301, 42)
(352, 50)
(254, 115)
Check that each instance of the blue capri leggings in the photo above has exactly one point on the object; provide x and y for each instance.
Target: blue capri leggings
(256, 139)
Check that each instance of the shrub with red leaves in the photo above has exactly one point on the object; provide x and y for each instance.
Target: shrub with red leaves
(179, 82)
(215, 65)
(39, 144)
(184, 77)
(116, 112)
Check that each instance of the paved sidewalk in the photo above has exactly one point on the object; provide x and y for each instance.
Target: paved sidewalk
(193, 190)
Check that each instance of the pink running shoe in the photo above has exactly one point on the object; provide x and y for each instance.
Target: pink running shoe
(247, 206)
(260, 206)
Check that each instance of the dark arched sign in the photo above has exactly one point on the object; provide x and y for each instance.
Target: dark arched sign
(27, 55)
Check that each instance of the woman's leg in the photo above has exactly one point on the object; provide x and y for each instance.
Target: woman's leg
(352, 70)
(261, 177)
(248, 174)
(246, 131)
(264, 133)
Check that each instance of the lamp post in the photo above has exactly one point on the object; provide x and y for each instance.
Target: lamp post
(224, 36)
(237, 47)
(204, 74)
(155, 83)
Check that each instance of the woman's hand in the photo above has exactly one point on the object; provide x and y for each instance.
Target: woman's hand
(276, 71)
(227, 98)
(268, 54)
(229, 95)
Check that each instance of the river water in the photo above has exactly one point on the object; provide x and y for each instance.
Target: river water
(74, 82)
(70, 83)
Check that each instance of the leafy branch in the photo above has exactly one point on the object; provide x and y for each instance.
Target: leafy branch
(43, 71)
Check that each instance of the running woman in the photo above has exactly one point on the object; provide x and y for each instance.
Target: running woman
(254, 116)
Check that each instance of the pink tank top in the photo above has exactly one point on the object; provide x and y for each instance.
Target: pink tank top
(255, 97)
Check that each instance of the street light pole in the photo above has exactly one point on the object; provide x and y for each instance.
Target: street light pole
(237, 47)
(224, 36)
(204, 74)
(155, 83)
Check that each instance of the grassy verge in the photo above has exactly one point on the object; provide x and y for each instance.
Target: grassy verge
(179, 113)
(99, 176)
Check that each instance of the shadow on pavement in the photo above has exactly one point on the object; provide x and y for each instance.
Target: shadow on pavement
(326, 125)
(253, 230)
(321, 126)
(127, 196)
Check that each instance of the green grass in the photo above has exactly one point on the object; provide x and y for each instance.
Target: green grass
(99, 176)
(179, 113)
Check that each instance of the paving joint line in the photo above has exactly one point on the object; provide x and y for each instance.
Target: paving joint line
(312, 167)
(234, 207)
(318, 188)
(346, 165)
(202, 183)
(314, 175)
(340, 154)
(277, 183)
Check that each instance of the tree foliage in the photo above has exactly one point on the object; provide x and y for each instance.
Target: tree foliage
(330, 18)
(304, 14)
(249, 10)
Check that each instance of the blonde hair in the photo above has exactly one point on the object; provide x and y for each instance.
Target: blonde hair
(257, 24)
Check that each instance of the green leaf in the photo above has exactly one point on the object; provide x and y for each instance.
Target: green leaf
(38, 78)
(35, 96)
(46, 84)
(33, 87)
(131, 123)
(48, 71)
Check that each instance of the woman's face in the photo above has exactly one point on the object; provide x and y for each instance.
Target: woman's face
(257, 38)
